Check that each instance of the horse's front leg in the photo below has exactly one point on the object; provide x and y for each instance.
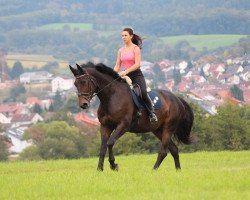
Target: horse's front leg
(105, 133)
(119, 131)
(113, 165)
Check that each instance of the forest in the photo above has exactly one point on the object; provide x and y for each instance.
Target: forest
(21, 25)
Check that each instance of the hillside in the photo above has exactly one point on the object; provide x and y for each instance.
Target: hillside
(90, 30)
(157, 17)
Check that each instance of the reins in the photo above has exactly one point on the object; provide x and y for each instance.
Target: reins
(89, 95)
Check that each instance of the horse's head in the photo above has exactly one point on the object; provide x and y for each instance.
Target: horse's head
(85, 84)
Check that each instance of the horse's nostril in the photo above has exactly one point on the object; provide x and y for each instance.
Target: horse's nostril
(84, 105)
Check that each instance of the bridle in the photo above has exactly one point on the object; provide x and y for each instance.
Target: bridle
(88, 95)
(92, 92)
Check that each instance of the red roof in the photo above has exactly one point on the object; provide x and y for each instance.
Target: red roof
(227, 95)
(23, 117)
(10, 109)
(33, 101)
(83, 118)
(246, 95)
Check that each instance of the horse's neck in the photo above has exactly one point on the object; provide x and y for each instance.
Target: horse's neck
(108, 88)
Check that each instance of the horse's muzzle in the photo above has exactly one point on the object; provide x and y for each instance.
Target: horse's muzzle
(84, 105)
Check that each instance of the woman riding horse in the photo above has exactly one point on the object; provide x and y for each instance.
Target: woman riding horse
(117, 112)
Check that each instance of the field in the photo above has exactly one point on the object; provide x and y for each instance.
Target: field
(208, 41)
(204, 175)
(72, 26)
(33, 60)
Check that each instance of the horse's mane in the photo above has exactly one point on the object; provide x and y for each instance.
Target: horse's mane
(103, 69)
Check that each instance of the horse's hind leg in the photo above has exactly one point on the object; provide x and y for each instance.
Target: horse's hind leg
(175, 153)
(165, 140)
(113, 166)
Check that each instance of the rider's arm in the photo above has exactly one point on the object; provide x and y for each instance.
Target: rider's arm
(118, 62)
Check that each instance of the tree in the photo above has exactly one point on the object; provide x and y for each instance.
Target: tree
(16, 70)
(56, 140)
(37, 109)
(71, 105)
(202, 73)
(57, 101)
(237, 92)
(61, 115)
(16, 91)
(3, 148)
(177, 76)
(159, 76)
(229, 129)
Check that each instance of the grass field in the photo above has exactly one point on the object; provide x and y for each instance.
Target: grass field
(72, 26)
(208, 41)
(33, 60)
(204, 175)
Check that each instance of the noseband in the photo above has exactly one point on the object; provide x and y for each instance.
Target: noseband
(89, 95)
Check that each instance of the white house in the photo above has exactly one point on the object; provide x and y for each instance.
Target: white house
(35, 77)
(61, 84)
(15, 135)
(182, 66)
(25, 119)
(4, 119)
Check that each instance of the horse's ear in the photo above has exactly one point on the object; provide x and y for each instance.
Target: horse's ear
(79, 68)
(73, 70)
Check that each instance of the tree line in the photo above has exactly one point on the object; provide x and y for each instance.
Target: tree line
(162, 17)
(62, 138)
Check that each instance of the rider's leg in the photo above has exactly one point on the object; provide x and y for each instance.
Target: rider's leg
(141, 82)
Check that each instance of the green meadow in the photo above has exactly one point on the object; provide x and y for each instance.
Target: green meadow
(204, 175)
(201, 41)
(72, 26)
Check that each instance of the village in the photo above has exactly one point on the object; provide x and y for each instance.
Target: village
(206, 84)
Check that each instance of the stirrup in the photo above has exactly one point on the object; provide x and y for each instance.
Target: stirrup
(153, 118)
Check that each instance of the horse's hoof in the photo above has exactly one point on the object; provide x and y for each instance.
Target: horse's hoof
(178, 169)
(99, 169)
(114, 167)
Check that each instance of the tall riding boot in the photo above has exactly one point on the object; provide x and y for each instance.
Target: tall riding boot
(150, 108)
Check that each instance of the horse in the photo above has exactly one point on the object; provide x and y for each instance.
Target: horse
(117, 112)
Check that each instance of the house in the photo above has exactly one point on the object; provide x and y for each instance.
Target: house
(61, 84)
(233, 79)
(170, 84)
(84, 119)
(12, 109)
(245, 74)
(227, 96)
(182, 66)
(206, 68)
(35, 77)
(25, 120)
(44, 104)
(16, 135)
(165, 64)
(4, 119)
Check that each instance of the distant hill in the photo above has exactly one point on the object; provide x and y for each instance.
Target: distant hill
(204, 41)
(76, 30)
(158, 17)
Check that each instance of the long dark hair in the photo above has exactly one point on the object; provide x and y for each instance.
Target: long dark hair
(136, 39)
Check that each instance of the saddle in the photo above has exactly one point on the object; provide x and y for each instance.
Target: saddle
(137, 96)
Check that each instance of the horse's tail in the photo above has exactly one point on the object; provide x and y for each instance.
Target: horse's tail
(183, 132)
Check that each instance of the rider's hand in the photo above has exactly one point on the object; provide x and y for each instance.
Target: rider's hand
(122, 73)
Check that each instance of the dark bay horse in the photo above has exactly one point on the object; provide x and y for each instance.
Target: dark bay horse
(117, 112)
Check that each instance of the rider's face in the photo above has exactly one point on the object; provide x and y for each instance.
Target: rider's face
(126, 37)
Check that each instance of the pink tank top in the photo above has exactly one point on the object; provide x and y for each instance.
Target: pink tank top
(127, 58)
